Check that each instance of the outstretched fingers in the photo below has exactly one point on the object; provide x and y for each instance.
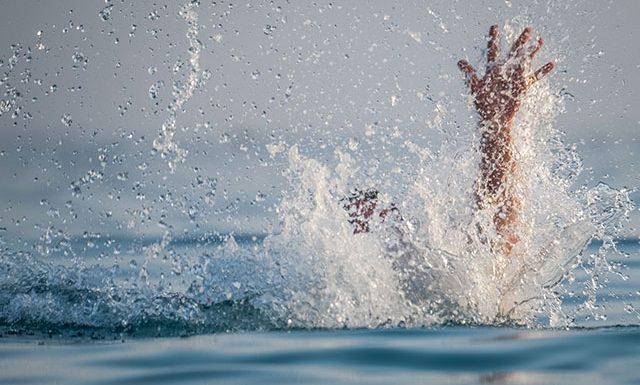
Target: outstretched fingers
(542, 72)
(536, 47)
(492, 45)
(472, 78)
(517, 46)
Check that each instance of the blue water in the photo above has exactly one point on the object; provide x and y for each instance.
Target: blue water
(140, 139)
(232, 342)
(451, 355)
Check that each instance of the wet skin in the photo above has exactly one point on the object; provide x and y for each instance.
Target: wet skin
(497, 97)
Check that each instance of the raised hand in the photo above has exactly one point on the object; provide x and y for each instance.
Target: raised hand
(497, 96)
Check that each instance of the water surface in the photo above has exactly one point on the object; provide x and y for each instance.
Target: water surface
(452, 355)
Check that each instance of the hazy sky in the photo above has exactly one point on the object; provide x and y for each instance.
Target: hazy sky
(88, 85)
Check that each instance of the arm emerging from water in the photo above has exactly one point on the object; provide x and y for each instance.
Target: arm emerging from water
(497, 97)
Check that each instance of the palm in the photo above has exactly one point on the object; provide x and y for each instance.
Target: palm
(500, 91)
(498, 94)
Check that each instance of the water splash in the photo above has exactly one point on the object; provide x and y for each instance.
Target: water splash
(432, 267)
(165, 143)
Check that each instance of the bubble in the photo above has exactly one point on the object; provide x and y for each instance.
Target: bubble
(152, 70)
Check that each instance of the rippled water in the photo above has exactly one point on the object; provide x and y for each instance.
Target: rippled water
(174, 178)
(452, 355)
(236, 344)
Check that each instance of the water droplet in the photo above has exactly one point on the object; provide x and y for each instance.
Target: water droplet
(105, 13)
(268, 29)
(5, 106)
(75, 189)
(224, 137)
(353, 144)
(154, 89)
(66, 120)
(275, 148)
(77, 57)
(177, 66)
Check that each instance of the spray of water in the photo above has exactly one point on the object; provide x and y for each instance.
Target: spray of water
(436, 265)
(165, 143)
(431, 265)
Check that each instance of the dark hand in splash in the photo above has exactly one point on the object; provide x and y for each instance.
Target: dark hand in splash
(497, 95)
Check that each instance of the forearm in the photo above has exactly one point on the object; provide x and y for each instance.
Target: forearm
(496, 185)
(497, 164)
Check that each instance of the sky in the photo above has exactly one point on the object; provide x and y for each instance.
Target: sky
(88, 86)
